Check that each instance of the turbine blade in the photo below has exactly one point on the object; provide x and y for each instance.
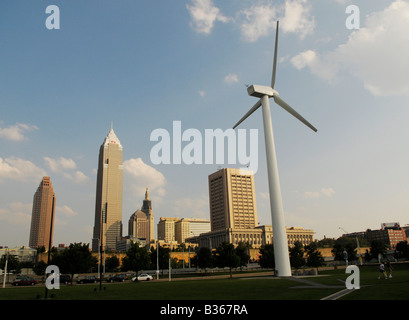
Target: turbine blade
(273, 79)
(255, 107)
(286, 107)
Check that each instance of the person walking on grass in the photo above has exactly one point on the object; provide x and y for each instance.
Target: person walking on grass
(382, 271)
(389, 268)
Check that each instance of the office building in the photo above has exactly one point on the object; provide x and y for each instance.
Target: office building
(42, 218)
(187, 228)
(232, 199)
(166, 229)
(390, 234)
(233, 213)
(299, 234)
(108, 205)
(233, 209)
(141, 223)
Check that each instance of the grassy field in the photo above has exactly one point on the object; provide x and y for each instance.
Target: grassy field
(254, 288)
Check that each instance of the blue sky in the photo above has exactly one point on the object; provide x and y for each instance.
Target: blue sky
(143, 65)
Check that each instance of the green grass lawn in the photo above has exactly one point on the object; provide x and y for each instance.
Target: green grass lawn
(263, 288)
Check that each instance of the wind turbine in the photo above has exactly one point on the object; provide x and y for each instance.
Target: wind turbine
(264, 93)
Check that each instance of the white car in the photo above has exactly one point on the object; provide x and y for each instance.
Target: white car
(143, 277)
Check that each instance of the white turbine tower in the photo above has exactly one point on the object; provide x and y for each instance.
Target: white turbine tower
(282, 260)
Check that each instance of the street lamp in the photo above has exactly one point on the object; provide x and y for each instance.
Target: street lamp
(99, 257)
(5, 267)
(157, 259)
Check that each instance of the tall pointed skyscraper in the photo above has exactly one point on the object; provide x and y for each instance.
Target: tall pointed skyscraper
(147, 208)
(108, 205)
(141, 224)
(41, 220)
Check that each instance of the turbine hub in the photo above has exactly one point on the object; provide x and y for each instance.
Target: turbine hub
(260, 91)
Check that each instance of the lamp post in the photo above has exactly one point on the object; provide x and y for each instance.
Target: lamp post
(189, 256)
(170, 267)
(99, 257)
(50, 240)
(157, 259)
(5, 268)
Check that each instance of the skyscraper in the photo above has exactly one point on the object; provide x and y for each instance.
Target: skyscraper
(41, 220)
(233, 209)
(141, 222)
(108, 205)
(232, 199)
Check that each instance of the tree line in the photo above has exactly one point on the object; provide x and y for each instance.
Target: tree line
(77, 258)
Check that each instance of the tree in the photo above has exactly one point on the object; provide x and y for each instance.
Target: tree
(77, 258)
(204, 258)
(344, 244)
(314, 257)
(226, 257)
(377, 247)
(163, 257)
(402, 250)
(297, 255)
(39, 268)
(13, 264)
(112, 263)
(326, 243)
(267, 256)
(367, 256)
(242, 252)
(136, 259)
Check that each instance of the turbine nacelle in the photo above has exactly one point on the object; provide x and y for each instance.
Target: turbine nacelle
(260, 91)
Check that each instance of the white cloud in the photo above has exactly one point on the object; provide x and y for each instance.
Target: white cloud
(65, 211)
(297, 18)
(376, 54)
(20, 169)
(59, 165)
(324, 192)
(256, 21)
(16, 132)
(62, 165)
(231, 78)
(204, 15)
(317, 65)
(202, 93)
(265, 195)
(261, 20)
(16, 213)
(140, 176)
(192, 207)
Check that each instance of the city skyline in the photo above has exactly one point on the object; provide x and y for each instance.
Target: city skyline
(142, 67)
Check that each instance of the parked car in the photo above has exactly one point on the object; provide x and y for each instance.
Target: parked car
(87, 279)
(66, 279)
(117, 278)
(143, 277)
(24, 281)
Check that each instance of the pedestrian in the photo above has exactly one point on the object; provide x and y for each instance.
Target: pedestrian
(389, 268)
(382, 271)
